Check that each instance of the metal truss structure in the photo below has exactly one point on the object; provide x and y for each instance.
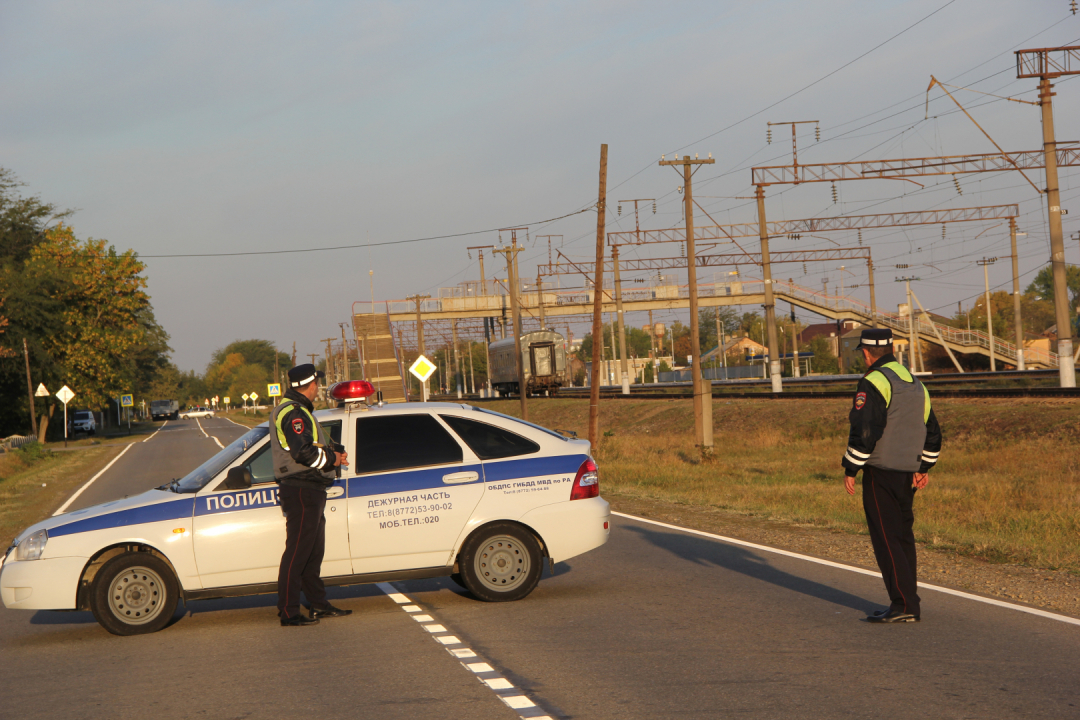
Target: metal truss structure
(845, 222)
(1048, 62)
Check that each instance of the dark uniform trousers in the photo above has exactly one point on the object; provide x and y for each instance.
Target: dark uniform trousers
(305, 542)
(887, 500)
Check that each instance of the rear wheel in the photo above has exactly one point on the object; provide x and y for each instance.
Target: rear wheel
(134, 594)
(501, 562)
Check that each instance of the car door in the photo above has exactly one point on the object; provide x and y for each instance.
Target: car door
(240, 534)
(412, 490)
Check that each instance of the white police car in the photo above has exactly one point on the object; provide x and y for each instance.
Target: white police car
(433, 490)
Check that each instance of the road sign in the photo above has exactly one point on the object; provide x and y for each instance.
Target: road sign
(254, 396)
(273, 389)
(126, 401)
(41, 391)
(422, 368)
(245, 396)
(65, 394)
(227, 399)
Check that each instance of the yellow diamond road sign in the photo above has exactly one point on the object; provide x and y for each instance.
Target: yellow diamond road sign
(422, 368)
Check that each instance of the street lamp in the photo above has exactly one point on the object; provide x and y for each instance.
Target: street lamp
(986, 262)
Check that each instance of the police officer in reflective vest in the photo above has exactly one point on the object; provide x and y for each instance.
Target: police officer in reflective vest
(894, 440)
(304, 459)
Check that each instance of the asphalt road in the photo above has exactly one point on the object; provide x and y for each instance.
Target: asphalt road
(658, 623)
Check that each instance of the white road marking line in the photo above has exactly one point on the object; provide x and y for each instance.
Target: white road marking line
(91, 481)
(861, 571)
(236, 423)
(157, 431)
(214, 438)
(502, 687)
(201, 427)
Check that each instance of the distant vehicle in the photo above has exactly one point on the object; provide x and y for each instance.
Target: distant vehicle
(83, 421)
(197, 412)
(543, 354)
(167, 409)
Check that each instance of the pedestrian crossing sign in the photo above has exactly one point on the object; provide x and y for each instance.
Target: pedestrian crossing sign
(273, 389)
(126, 401)
(422, 368)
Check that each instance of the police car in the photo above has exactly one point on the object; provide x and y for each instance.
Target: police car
(433, 489)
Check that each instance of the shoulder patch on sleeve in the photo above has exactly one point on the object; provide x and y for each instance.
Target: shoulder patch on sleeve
(298, 425)
(860, 400)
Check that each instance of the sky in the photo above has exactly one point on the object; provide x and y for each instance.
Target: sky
(204, 128)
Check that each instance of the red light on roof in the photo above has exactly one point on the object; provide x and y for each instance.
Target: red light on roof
(352, 390)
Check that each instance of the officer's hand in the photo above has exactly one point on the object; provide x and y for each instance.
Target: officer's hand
(920, 480)
(849, 484)
(340, 459)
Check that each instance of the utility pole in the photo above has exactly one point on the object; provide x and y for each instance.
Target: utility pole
(770, 304)
(540, 298)
(458, 374)
(1046, 64)
(622, 326)
(313, 356)
(986, 262)
(420, 340)
(1019, 325)
(702, 394)
(483, 279)
(541, 237)
(294, 353)
(515, 311)
(344, 352)
(329, 361)
(29, 389)
(597, 323)
(913, 338)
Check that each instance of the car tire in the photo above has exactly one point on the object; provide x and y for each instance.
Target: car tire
(501, 562)
(134, 594)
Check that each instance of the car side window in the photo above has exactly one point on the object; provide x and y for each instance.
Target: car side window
(400, 442)
(488, 441)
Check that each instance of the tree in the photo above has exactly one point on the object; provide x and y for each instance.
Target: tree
(1042, 287)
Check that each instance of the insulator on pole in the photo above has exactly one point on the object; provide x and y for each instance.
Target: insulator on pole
(957, 184)
(768, 136)
(804, 271)
(619, 208)
(942, 231)
(860, 237)
(834, 195)
(817, 133)
(653, 207)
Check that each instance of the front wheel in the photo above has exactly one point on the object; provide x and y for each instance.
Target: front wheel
(501, 562)
(134, 594)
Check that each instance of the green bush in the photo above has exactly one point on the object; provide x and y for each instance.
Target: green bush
(33, 452)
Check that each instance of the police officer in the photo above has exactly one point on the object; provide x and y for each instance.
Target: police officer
(304, 459)
(894, 440)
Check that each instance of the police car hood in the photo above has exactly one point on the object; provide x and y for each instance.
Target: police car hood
(118, 512)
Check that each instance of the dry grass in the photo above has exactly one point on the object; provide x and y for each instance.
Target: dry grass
(1007, 488)
(34, 483)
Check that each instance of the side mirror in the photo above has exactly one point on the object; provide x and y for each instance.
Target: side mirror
(239, 478)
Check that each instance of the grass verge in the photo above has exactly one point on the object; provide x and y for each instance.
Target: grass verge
(34, 482)
(1007, 488)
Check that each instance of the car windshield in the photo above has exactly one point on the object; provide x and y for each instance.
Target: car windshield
(519, 420)
(196, 480)
(82, 416)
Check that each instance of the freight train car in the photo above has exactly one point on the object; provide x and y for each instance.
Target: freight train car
(543, 355)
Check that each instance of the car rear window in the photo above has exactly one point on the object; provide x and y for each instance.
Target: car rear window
(488, 441)
(400, 442)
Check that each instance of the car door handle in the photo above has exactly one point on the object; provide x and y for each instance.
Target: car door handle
(336, 491)
(461, 477)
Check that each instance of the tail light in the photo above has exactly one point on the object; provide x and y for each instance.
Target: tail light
(587, 482)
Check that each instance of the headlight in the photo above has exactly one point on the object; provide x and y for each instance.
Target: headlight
(31, 547)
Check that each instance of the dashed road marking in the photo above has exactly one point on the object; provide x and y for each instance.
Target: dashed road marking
(860, 571)
(503, 688)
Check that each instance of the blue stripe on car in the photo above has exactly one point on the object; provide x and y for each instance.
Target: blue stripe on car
(496, 470)
(158, 512)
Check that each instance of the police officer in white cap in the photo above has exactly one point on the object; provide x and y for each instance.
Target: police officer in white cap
(894, 440)
(305, 461)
